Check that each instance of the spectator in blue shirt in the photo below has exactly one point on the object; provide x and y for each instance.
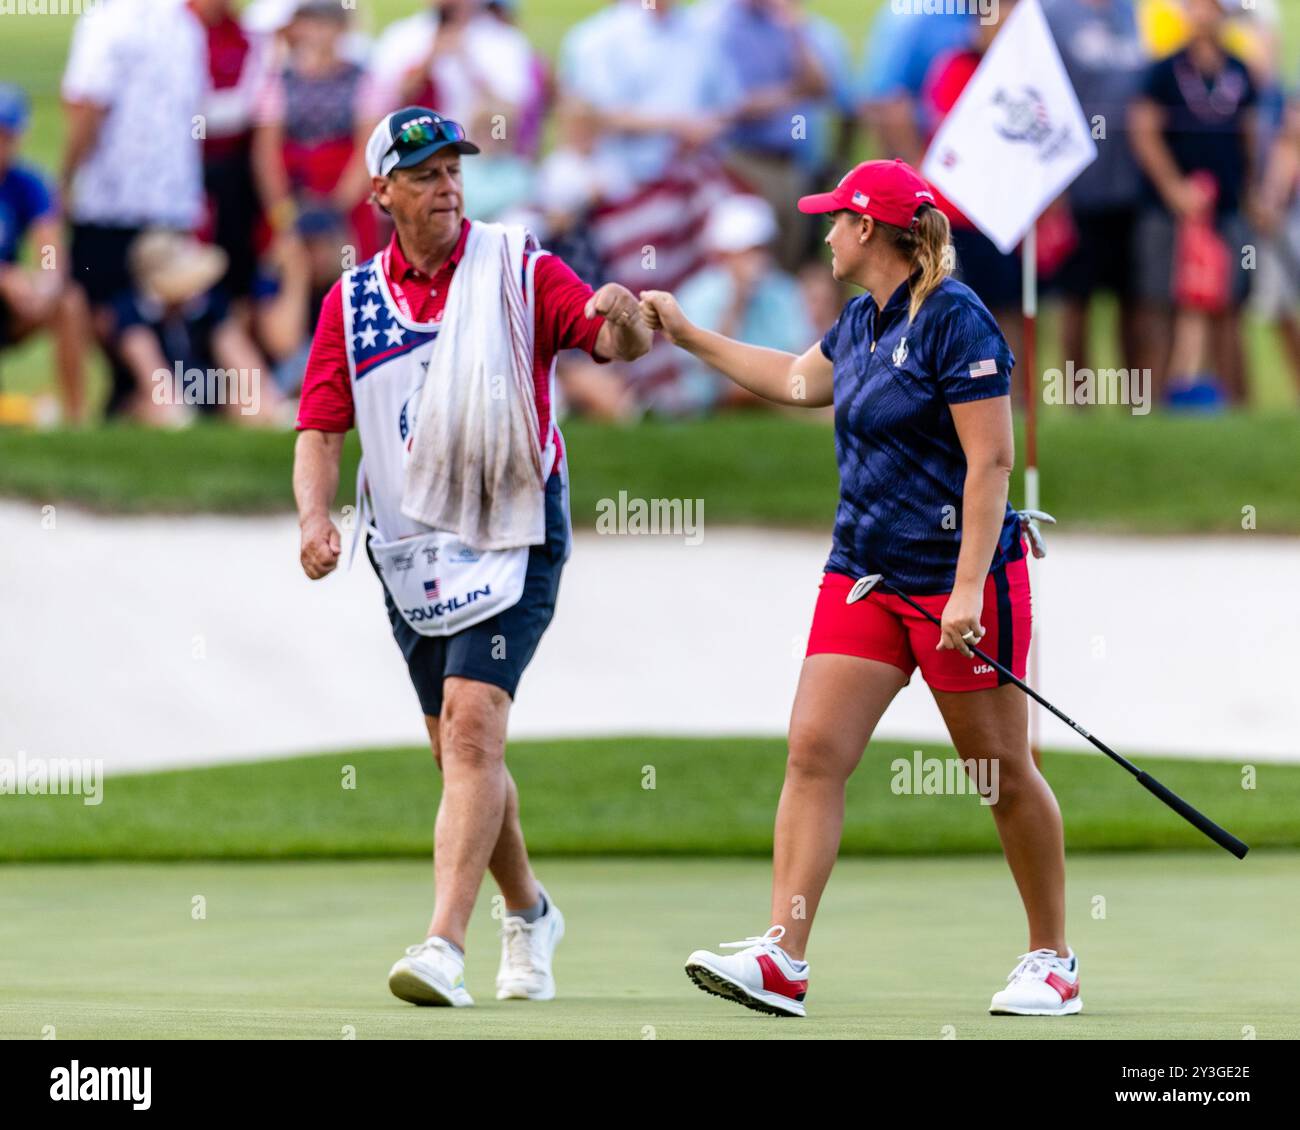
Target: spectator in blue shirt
(832, 125)
(656, 78)
(39, 298)
(784, 82)
(903, 43)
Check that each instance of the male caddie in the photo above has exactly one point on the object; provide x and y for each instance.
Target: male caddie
(440, 351)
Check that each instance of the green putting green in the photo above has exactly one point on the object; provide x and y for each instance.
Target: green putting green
(1171, 945)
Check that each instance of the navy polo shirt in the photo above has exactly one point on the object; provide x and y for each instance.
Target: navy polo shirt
(902, 469)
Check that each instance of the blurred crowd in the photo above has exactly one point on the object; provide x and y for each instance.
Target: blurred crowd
(212, 185)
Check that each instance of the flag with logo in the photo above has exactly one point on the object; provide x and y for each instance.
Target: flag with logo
(1017, 135)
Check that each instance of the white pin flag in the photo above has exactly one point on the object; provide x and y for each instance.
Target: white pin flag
(1017, 135)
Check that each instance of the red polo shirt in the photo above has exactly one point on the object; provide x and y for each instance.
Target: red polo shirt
(559, 323)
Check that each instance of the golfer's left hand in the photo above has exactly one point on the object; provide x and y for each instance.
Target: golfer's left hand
(615, 304)
(961, 615)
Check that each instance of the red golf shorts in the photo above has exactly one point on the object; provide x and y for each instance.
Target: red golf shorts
(884, 628)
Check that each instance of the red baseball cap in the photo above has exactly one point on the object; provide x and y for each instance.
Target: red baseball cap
(888, 191)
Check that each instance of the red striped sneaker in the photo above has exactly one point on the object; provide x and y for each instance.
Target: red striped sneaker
(1043, 984)
(762, 976)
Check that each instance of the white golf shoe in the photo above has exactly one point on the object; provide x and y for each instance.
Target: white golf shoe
(527, 951)
(431, 973)
(1043, 984)
(762, 976)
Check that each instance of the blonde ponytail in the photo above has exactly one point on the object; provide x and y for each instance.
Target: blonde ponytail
(927, 246)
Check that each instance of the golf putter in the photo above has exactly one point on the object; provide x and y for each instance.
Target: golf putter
(863, 587)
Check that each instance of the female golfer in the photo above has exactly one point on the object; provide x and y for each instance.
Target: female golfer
(920, 378)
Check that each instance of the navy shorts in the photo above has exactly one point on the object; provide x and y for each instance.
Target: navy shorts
(1156, 238)
(1103, 259)
(495, 650)
(99, 255)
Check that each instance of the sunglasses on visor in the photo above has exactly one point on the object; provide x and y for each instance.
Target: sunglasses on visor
(419, 134)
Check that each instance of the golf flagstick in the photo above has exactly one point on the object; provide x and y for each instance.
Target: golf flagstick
(1226, 840)
(1029, 363)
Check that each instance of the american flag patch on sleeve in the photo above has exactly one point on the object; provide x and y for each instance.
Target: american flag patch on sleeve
(988, 368)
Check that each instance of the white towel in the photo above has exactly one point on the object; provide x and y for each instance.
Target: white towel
(476, 461)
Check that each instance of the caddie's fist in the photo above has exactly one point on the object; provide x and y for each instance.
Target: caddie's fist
(321, 546)
(615, 304)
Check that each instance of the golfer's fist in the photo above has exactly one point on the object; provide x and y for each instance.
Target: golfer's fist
(961, 623)
(615, 304)
(660, 311)
(320, 547)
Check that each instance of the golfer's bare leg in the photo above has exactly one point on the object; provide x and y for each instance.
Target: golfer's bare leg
(478, 817)
(995, 724)
(839, 701)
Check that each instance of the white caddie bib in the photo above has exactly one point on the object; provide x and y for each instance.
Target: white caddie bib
(439, 585)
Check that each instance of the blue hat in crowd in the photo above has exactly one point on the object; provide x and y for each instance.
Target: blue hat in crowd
(15, 108)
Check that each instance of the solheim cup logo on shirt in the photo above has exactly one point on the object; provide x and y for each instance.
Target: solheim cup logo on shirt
(900, 354)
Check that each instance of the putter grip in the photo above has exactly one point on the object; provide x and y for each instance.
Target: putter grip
(1221, 837)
